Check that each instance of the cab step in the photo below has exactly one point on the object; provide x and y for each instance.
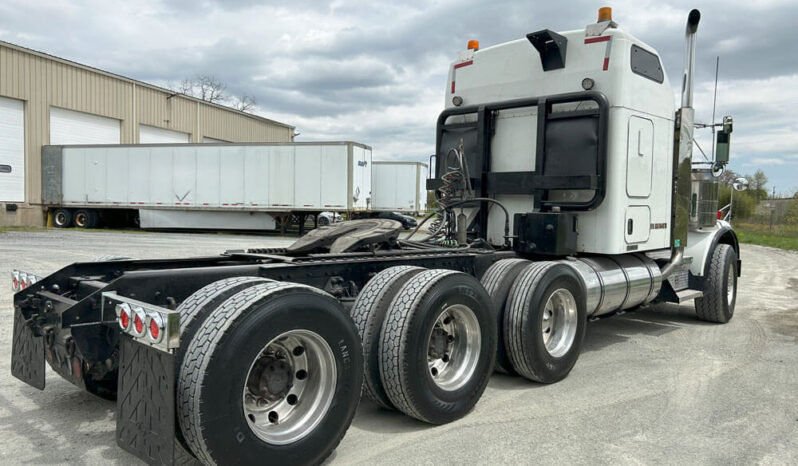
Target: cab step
(687, 295)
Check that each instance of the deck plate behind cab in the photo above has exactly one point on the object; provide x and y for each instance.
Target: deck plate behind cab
(347, 236)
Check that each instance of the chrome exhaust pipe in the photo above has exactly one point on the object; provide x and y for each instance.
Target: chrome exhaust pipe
(689, 57)
(683, 149)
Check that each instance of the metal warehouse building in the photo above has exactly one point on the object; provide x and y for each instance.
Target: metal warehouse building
(49, 100)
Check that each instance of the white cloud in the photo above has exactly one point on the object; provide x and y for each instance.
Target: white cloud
(374, 72)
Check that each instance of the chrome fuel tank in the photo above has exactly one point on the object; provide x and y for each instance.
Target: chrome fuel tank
(614, 283)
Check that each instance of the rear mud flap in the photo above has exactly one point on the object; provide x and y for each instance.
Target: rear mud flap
(27, 353)
(145, 407)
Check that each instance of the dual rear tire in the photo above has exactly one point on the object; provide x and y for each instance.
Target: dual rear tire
(542, 316)
(271, 371)
(429, 340)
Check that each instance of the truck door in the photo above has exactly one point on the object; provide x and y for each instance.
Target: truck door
(639, 155)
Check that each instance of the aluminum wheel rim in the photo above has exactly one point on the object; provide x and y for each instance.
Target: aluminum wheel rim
(81, 220)
(60, 218)
(559, 322)
(453, 347)
(307, 367)
(730, 286)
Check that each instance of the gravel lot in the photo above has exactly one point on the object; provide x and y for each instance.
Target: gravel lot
(653, 386)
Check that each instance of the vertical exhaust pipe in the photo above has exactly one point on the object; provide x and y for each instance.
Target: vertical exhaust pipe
(689, 57)
(683, 152)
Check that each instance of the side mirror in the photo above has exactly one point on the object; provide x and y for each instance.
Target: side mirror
(740, 184)
(723, 139)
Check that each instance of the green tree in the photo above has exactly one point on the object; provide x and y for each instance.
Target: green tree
(757, 185)
(744, 202)
(432, 203)
(791, 215)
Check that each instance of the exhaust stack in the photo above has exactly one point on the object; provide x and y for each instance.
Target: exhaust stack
(689, 57)
(683, 151)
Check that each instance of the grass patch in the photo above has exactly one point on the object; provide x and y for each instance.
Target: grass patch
(10, 228)
(781, 237)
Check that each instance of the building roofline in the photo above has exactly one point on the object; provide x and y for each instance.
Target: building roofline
(65, 61)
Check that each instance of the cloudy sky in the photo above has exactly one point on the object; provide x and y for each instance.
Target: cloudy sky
(375, 72)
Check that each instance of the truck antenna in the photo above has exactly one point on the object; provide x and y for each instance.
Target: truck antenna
(714, 103)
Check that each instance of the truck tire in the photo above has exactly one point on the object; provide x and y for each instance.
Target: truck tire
(369, 312)
(193, 312)
(497, 281)
(196, 308)
(230, 412)
(437, 346)
(62, 218)
(720, 287)
(85, 218)
(544, 322)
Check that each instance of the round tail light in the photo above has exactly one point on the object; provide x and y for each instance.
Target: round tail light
(123, 316)
(139, 318)
(155, 327)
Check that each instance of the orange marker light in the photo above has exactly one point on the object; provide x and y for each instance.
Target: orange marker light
(473, 45)
(605, 14)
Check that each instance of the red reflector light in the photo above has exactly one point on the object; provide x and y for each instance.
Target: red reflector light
(155, 331)
(15, 284)
(720, 215)
(138, 324)
(123, 316)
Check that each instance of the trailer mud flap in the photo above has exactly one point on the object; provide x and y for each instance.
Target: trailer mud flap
(27, 353)
(145, 407)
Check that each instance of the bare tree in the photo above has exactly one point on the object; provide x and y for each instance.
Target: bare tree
(204, 87)
(246, 103)
(210, 89)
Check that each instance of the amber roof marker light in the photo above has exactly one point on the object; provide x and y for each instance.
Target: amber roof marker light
(473, 45)
(605, 14)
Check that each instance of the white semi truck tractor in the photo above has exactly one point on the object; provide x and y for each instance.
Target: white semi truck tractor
(567, 192)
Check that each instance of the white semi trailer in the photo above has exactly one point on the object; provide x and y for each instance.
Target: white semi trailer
(563, 175)
(214, 186)
(399, 187)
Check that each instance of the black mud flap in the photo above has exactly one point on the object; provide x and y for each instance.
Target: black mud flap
(27, 353)
(145, 406)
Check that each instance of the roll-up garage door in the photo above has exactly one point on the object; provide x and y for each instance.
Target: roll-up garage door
(70, 127)
(154, 135)
(12, 150)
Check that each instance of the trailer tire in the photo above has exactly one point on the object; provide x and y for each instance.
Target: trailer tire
(85, 218)
(369, 312)
(216, 373)
(720, 287)
(545, 293)
(497, 281)
(419, 377)
(62, 218)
